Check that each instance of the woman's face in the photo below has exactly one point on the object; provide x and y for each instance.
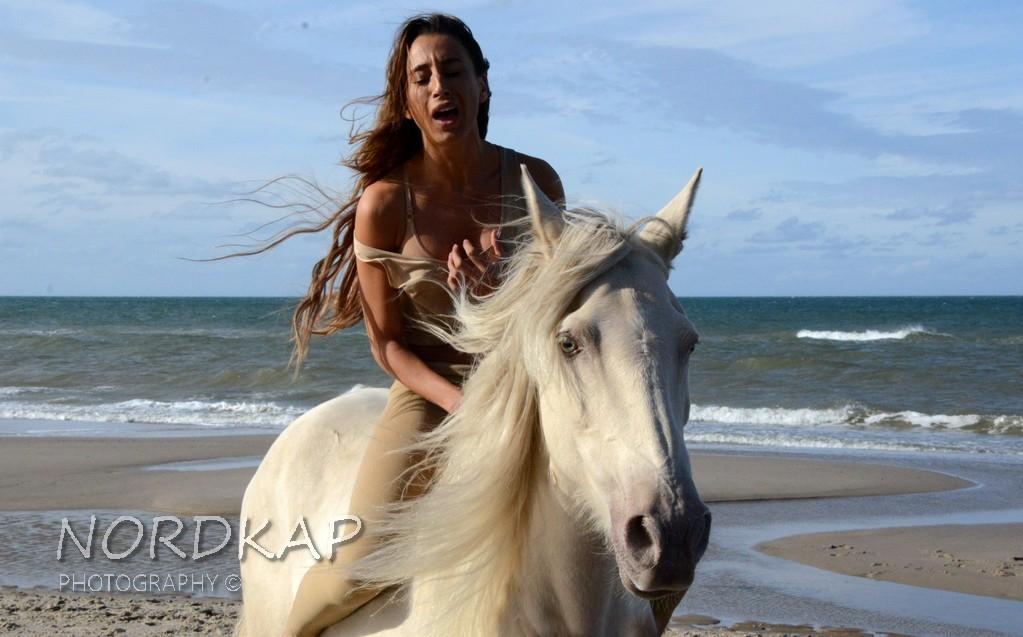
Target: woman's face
(444, 92)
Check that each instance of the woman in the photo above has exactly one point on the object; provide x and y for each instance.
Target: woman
(423, 214)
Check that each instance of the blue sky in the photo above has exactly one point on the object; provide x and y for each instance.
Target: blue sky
(871, 147)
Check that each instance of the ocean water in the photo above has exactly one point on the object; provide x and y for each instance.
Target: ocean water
(935, 374)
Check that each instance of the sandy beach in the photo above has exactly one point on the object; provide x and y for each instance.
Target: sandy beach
(40, 474)
(61, 474)
(43, 614)
(979, 559)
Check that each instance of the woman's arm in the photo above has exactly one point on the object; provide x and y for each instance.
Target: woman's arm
(379, 222)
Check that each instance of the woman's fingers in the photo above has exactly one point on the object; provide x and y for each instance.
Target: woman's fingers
(455, 257)
(494, 241)
(454, 265)
(474, 256)
(467, 263)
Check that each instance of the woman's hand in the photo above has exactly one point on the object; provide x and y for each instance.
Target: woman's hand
(466, 263)
(454, 404)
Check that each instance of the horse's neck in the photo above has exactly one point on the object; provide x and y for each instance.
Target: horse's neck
(569, 579)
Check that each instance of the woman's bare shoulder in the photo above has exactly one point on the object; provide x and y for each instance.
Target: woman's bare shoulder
(545, 176)
(380, 215)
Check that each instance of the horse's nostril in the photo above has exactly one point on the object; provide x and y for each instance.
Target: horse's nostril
(636, 535)
(639, 540)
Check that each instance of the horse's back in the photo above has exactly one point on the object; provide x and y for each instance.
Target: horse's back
(306, 477)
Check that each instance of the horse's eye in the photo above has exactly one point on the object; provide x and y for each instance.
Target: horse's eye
(692, 348)
(568, 345)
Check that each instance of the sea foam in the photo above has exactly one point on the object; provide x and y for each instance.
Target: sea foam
(866, 335)
(275, 415)
(771, 415)
(856, 416)
(208, 413)
(182, 412)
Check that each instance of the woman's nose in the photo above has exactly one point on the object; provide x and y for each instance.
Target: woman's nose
(439, 84)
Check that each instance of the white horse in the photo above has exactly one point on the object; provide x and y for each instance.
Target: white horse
(563, 501)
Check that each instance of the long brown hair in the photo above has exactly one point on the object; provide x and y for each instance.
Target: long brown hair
(333, 301)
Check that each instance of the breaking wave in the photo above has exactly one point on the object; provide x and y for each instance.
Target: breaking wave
(867, 335)
(857, 416)
(218, 413)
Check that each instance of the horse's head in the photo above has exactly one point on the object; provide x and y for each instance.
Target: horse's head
(612, 386)
(580, 391)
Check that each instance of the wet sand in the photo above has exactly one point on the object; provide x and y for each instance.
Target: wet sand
(40, 474)
(54, 474)
(979, 559)
(101, 473)
(732, 478)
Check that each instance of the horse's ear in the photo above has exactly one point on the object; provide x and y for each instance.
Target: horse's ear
(544, 213)
(665, 234)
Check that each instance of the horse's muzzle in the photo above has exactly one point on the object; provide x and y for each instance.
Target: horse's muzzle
(658, 550)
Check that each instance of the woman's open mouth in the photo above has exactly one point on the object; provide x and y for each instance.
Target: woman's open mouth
(446, 116)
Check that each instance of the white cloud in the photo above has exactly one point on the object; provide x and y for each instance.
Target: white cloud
(895, 165)
(790, 33)
(65, 21)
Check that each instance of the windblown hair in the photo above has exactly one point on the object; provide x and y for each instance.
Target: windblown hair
(463, 539)
(332, 301)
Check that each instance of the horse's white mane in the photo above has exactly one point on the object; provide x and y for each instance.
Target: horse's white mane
(461, 541)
